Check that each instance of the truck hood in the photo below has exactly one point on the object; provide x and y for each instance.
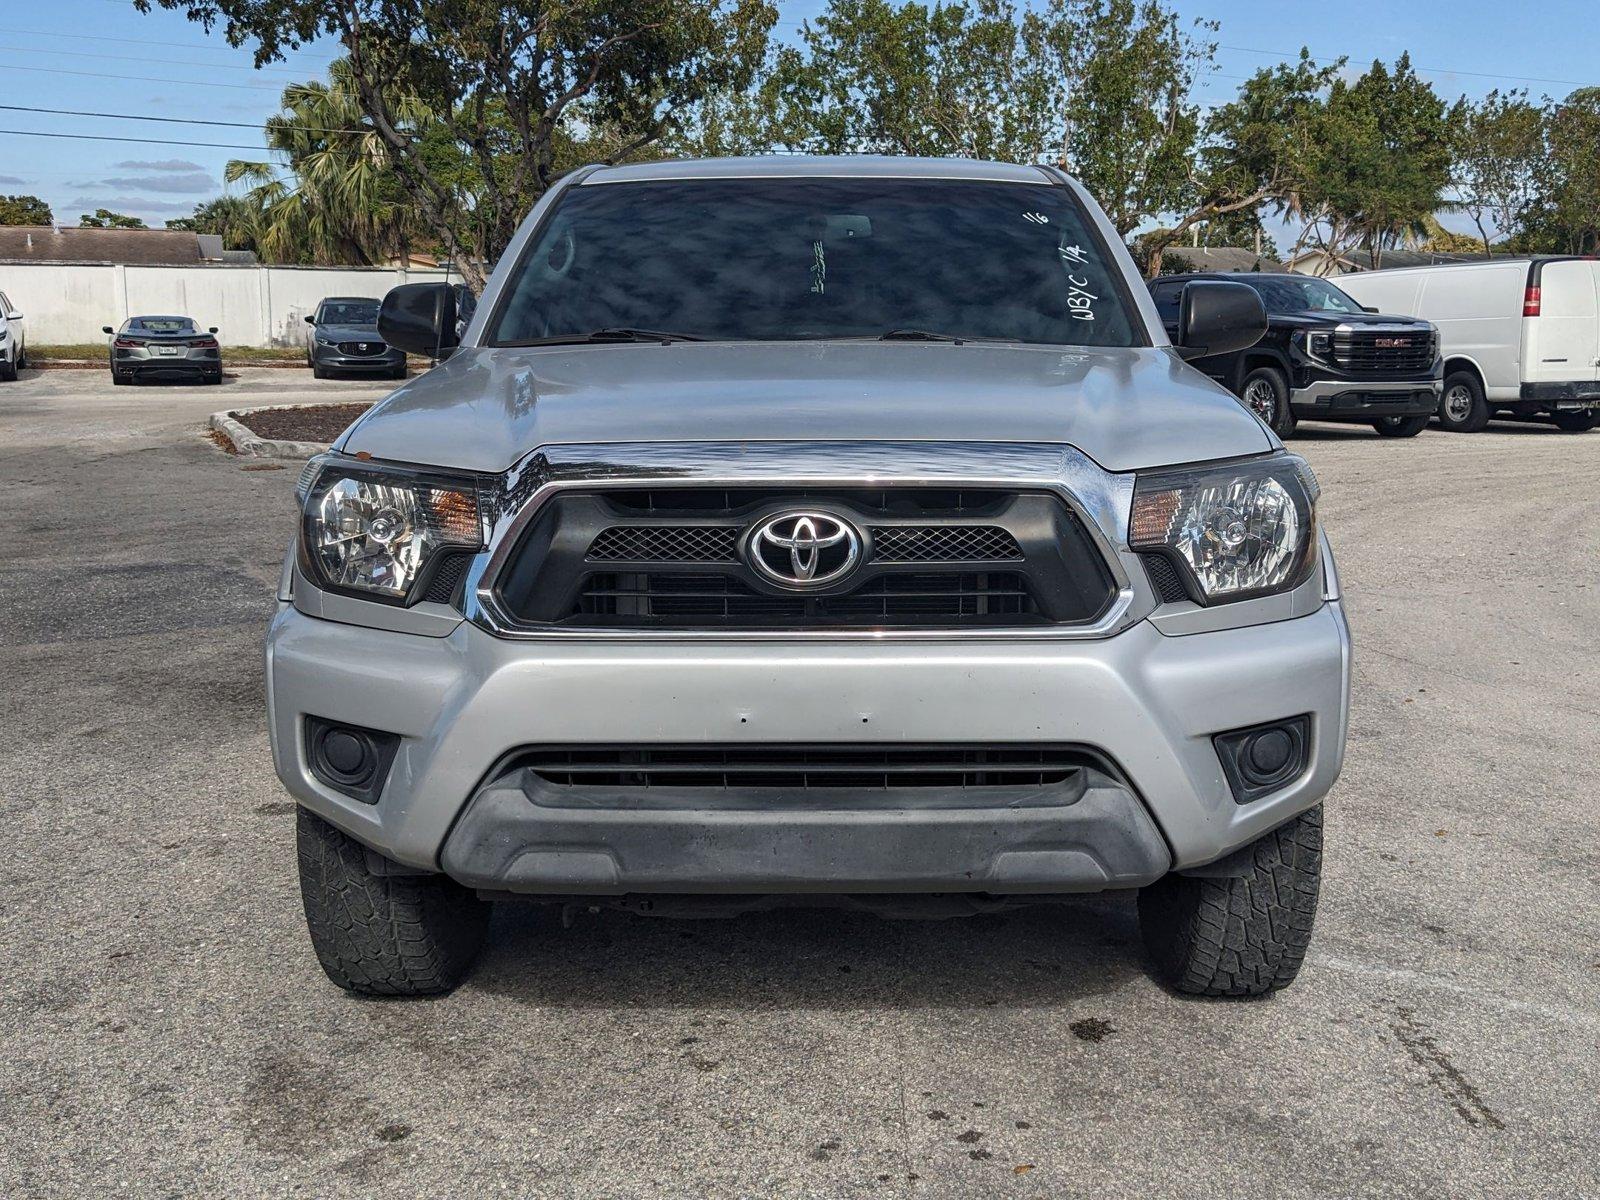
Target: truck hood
(1322, 319)
(349, 333)
(485, 409)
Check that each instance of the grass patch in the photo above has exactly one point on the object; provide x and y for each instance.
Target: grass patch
(98, 352)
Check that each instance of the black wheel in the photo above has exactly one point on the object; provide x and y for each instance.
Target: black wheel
(1577, 422)
(214, 378)
(1462, 408)
(22, 359)
(1401, 427)
(8, 369)
(120, 380)
(1243, 936)
(1265, 392)
(318, 371)
(378, 934)
(399, 372)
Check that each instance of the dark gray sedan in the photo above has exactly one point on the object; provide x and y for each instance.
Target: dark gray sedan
(345, 338)
(164, 348)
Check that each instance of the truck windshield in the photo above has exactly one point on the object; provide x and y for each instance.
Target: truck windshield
(349, 312)
(1301, 295)
(804, 259)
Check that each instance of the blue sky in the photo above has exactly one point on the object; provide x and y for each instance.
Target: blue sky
(69, 54)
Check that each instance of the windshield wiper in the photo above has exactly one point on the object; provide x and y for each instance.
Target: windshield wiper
(918, 335)
(609, 333)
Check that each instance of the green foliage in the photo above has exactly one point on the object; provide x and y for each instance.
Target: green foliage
(1381, 160)
(978, 80)
(24, 210)
(232, 218)
(1499, 150)
(1563, 217)
(507, 81)
(104, 218)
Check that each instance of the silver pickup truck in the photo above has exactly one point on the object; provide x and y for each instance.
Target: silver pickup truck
(810, 531)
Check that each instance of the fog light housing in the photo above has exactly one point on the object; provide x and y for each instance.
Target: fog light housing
(349, 759)
(1260, 759)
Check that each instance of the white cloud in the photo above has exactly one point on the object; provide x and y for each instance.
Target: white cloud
(163, 164)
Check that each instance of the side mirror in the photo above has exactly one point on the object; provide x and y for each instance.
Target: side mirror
(14, 316)
(1219, 318)
(107, 329)
(311, 320)
(212, 329)
(420, 318)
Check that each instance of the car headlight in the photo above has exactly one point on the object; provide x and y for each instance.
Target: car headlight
(1241, 530)
(374, 530)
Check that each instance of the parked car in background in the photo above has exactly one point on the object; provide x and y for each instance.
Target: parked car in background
(345, 339)
(1324, 357)
(746, 552)
(13, 339)
(164, 348)
(1520, 336)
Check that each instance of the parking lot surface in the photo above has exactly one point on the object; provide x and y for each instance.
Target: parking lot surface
(165, 1029)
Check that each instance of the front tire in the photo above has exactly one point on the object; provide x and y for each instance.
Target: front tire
(1462, 407)
(378, 934)
(1401, 427)
(8, 370)
(1265, 392)
(318, 371)
(1577, 422)
(1243, 936)
(398, 372)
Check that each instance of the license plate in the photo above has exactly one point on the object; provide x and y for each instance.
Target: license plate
(166, 349)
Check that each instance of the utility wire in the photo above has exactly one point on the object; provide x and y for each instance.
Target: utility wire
(98, 137)
(163, 62)
(74, 112)
(1286, 56)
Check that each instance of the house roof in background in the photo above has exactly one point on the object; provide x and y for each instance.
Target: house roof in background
(1222, 258)
(130, 247)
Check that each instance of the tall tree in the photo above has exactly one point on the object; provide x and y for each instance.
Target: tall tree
(25, 210)
(1499, 150)
(1382, 161)
(507, 79)
(976, 80)
(1565, 217)
(104, 218)
(1132, 123)
(332, 196)
(1260, 149)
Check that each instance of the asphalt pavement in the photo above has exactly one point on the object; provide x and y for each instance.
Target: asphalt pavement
(166, 1031)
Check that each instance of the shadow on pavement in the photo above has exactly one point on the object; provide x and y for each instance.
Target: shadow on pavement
(812, 958)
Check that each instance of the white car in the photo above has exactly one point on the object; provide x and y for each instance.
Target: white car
(13, 339)
(1520, 336)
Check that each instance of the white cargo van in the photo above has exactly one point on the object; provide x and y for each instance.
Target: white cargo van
(1520, 336)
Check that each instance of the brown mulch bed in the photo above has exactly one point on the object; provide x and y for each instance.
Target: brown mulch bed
(309, 423)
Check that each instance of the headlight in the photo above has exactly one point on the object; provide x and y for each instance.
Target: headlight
(1241, 530)
(374, 530)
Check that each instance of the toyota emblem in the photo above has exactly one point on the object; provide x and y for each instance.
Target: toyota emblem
(803, 549)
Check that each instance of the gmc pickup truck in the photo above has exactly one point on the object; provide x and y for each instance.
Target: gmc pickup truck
(810, 531)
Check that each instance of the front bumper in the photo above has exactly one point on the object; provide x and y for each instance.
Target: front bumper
(328, 356)
(1149, 702)
(1365, 400)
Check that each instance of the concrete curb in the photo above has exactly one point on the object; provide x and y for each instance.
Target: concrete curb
(252, 445)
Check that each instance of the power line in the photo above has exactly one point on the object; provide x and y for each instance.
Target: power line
(165, 62)
(90, 37)
(100, 137)
(1284, 54)
(75, 112)
(248, 87)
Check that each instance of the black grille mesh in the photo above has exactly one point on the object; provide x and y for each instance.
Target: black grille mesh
(447, 576)
(943, 543)
(665, 543)
(1164, 578)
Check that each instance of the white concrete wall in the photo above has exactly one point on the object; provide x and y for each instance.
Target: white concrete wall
(250, 306)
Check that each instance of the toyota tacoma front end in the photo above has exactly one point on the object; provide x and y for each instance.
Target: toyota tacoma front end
(748, 552)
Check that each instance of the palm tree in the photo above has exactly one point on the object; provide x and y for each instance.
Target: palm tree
(333, 197)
